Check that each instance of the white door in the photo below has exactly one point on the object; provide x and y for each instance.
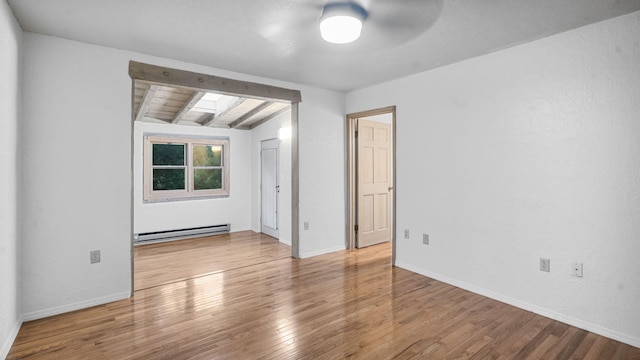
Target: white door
(374, 184)
(269, 187)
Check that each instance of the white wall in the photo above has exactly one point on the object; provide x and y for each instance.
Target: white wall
(77, 137)
(322, 173)
(266, 131)
(76, 183)
(10, 98)
(529, 152)
(173, 215)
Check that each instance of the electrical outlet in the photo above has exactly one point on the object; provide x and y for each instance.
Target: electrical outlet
(406, 234)
(545, 265)
(576, 269)
(94, 256)
(306, 225)
(425, 239)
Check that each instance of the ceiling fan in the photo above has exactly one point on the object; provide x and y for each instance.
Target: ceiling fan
(304, 24)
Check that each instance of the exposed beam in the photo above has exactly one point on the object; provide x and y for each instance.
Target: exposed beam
(248, 115)
(208, 118)
(164, 75)
(146, 101)
(226, 111)
(188, 106)
(269, 117)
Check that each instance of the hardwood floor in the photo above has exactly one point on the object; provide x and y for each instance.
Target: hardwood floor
(340, 305)
(163, 263)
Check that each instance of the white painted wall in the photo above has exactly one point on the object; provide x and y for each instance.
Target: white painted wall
(77, 137)
(76, 176)
(10, 105)
(529, 152)
(173, 215)
(266, 131)
(322, 173)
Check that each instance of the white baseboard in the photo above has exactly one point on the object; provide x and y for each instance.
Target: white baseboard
(594, 328)
(321, 252)
(285, 241)
(8, 342)
(74, 306)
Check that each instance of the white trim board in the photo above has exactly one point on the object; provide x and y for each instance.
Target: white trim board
(8, 342)
(321, 252)
(597, 329)
(74, 306)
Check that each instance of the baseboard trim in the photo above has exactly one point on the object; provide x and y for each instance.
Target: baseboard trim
(285, 241)
(594, 328)
(321, 252)
(34, 315)
(8, 342)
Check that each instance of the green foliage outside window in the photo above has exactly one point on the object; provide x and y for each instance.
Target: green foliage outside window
(207, 155)
(168, 179)
(168, 154)
(172, 176)
(204, 157)
(206, 179)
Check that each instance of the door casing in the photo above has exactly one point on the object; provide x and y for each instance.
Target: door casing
(351, 171)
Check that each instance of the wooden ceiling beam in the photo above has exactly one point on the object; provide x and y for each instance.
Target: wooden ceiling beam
(148, 96)
(235, 104)
(204, 82)
(269, 117)
(188, 106)
(248, 115)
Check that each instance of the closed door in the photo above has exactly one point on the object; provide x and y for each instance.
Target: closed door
(374, 183)
(269, 187)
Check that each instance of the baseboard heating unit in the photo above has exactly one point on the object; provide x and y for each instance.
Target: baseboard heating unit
(158, 236)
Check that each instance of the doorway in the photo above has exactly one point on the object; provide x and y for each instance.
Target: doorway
(193, 87)
(371, 178)
(269, 187)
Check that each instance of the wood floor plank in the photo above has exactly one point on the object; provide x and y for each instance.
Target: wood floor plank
(241, 296)
(163, 263)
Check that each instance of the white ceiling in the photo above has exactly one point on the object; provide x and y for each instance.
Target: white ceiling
(280, 38)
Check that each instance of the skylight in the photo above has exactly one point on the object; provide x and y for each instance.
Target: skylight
(208, 103)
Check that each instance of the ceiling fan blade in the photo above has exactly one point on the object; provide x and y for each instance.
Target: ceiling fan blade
(396, 22)
(285, 19)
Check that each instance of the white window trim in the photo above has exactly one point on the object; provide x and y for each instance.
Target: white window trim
(189, 193)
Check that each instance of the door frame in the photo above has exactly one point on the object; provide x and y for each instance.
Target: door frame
(277, 141)
(351, 171)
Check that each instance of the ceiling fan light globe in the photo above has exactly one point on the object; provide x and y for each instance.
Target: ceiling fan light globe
(340, 29)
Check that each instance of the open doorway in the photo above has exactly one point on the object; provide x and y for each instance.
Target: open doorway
(247, 106)
(371, 178)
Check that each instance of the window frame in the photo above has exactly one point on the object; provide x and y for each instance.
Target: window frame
(189, 193)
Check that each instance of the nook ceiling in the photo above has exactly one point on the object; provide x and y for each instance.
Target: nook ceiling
(185, 106)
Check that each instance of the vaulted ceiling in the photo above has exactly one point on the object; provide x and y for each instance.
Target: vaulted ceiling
(279, 39)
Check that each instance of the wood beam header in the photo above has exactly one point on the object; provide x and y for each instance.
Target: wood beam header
(163, 75)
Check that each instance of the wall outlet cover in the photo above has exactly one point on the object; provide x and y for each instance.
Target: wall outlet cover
(425, 239)
(94, 256)
(576, 269)
(545, 265)
(406, 234)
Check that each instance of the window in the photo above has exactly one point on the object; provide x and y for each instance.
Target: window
(183, 168)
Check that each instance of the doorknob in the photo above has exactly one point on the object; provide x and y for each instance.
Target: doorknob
(390, 188)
